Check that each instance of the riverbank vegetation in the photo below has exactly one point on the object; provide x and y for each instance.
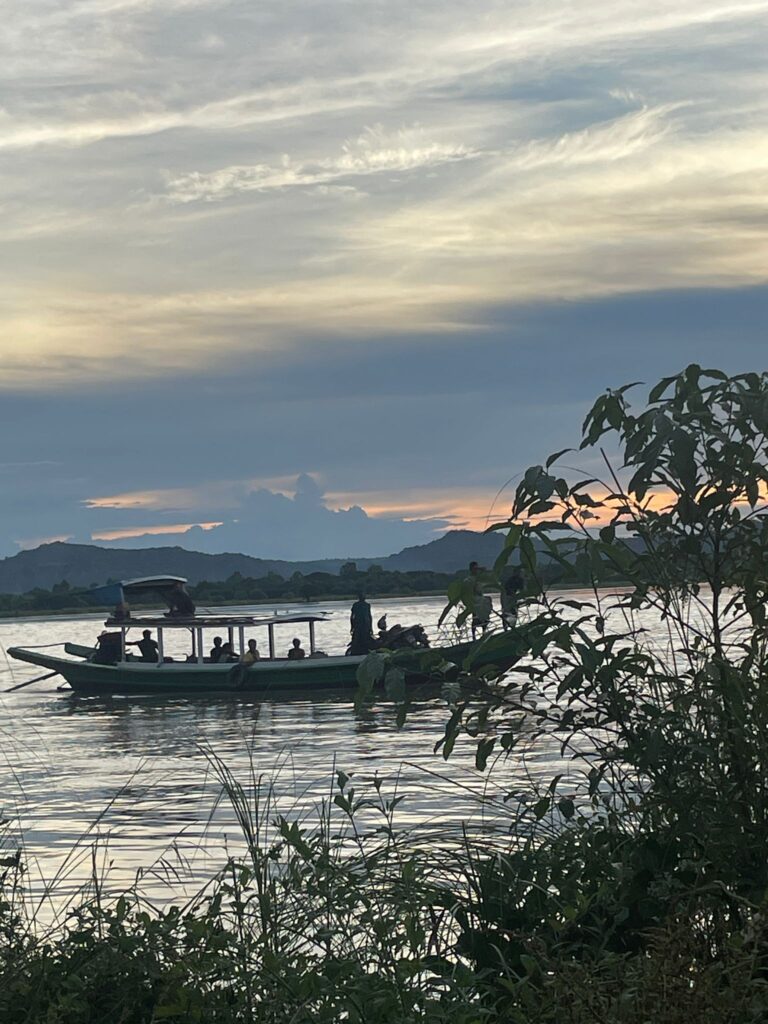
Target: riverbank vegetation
(631, 888)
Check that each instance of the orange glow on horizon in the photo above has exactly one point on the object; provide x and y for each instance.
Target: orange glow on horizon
(140, 531)
(161, 499)
(221, 493)
(465, 508)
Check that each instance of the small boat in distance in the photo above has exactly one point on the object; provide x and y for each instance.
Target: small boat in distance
(111, 668)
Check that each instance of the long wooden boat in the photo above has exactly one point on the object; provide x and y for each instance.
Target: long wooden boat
(110, 668)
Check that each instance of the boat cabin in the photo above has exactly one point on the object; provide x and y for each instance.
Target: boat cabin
(233, 626)
(196, 625)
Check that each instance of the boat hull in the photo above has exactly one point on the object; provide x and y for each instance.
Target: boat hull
(134, 677)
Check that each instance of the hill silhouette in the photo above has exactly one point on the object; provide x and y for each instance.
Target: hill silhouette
(82, 565)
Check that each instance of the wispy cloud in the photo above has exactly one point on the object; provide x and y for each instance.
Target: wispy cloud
(374, 152)
(599, 144)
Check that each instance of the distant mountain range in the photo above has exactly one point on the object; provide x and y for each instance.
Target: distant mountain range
(83, 565)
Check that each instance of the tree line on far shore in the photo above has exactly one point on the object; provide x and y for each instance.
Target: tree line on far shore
(374, 581)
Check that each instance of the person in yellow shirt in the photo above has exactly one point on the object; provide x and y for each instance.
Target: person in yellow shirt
(251, 655)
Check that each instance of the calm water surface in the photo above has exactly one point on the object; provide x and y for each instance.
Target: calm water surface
(133, 774)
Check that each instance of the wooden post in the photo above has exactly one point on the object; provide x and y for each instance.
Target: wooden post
(241, 638)
(311, 637)
(160, 654)
(122, 643)
(200, 645)
(271, 630)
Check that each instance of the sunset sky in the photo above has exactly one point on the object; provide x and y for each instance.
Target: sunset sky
(312, 279)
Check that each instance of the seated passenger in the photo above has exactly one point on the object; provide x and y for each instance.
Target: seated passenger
(252, 654)
(147, 646)
(296, 650)
(227, 654)
(122, 612)
(180, 603)
(215, 652)
(107, 649)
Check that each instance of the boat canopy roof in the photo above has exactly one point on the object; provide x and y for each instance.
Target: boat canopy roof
(212, 621)
(144, 583)
(123, 591)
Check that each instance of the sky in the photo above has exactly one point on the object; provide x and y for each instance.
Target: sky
(309, 279)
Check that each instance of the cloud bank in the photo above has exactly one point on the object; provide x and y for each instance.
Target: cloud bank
(268, 523)
(400, 246)
(193, 179)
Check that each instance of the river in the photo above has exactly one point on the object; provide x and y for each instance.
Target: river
(125, 785)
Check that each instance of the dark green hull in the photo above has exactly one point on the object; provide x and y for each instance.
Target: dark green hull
(136, 677)
(265, 676)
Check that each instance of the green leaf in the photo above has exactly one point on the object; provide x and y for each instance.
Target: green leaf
(530, 965)
(566, 808)
(556, 455)
(658, 390)
(527, 554)
(371, 671)
(753, 492)
(683, 463)
(394, 684)
(452, 727)
(541, 807)
(483, 752)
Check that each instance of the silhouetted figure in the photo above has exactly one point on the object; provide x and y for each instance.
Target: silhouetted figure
(147, 646)
(216, 651)
(107, 649)
(122, 612)
(361, 626)
(180, 603)
(296, 651)
(482, 606)
(511, 586)
(227, 654)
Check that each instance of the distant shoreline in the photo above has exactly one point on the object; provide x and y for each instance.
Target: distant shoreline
(79, 611)
(264, 601)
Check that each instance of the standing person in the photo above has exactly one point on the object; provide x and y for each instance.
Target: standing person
(511, 586)
(361, 626)
(215, 653)
(482, 606)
